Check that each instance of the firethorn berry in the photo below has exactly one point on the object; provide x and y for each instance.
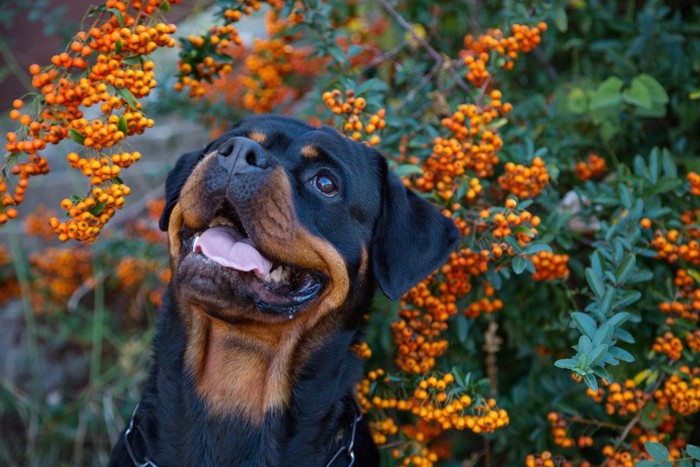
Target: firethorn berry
(113, 75)
(362, 350)
(687, 303)
(692, 340)
(59, 273)
(525, 182)
(476, 52)
(544, 459)
(681, 392)
(353, 110)
(625, 399)
(258, 83)
(594, 167)
(550, 266)
(694, 180)
(669, 345)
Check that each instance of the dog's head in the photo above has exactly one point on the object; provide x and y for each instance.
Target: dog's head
(277, 218)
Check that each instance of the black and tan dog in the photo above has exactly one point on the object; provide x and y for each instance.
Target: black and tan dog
(278, 234)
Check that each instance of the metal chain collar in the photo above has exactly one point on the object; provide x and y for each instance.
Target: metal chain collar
(134, 429)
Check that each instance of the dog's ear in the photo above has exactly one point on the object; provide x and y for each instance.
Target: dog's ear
(411, 238)
(173, 184)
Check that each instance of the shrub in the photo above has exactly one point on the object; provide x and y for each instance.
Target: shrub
(558, 136)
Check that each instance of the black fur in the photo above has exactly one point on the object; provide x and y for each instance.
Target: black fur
(407, 239)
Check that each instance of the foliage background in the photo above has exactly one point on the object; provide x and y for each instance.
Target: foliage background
(615, 79)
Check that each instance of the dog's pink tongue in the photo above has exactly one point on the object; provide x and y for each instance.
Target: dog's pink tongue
(225, 246)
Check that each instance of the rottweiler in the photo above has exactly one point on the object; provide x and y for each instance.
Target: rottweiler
(278, 234)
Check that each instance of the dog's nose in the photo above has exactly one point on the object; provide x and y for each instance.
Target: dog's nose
(242, 155)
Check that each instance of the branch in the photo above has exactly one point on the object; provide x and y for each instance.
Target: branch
(437, 56)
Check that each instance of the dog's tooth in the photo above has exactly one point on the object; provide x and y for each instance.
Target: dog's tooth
(194, 243)
(277, 274)
(286, 273)
(220, 220)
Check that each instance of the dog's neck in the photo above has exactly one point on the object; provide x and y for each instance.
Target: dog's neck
(268, 394)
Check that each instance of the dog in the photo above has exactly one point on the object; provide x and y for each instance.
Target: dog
(278, 235)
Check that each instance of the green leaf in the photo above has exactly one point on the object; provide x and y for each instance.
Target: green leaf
(585, 345)
(118, 14)
(121, 125)
(625, 197)
(657, 451)
(560, 19)
(598, 353)
(532, 248)
(608, 94)
(576, 101)
(597, 263)
(591, 382)
(76, 136)
(408, 169)
(693, 451)
(666, 184)
(519, 264)
(595, 282)
(602, 336)
(669, 164)
(97, 209)
(638, 95)
(118, 46)
(628, 298)
(656, 91)
(624, 269)
(618, 318)
(164, 6)
(606, 303)
(621, 354)
(646, 463)
(565, 363)
(609, 129)
(584, 323)
(654, 165)
(128, 97)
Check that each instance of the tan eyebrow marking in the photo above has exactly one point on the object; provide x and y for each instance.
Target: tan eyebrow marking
(309, 152)
(257, 137)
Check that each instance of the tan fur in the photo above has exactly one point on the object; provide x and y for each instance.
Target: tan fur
(309, 152)
(257, 137)
(247, 368)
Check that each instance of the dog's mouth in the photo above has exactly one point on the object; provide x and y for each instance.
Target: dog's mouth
(224, 254)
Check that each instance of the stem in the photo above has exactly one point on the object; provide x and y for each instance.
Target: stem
(32, 348)
(97, 325)
(14, 66)
(437, 56)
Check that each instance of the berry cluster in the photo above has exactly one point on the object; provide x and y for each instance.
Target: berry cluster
(476, 53)
(681, 392)
(694, 180)
(550, 266)
(352, 109)
(105, 67)
(669, 345)
(625, 399)
(59, 272)
(523, 181)
(671, 246)
(218, 65)
(594, 167)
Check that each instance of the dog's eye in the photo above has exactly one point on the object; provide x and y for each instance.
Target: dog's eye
(326, 185)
